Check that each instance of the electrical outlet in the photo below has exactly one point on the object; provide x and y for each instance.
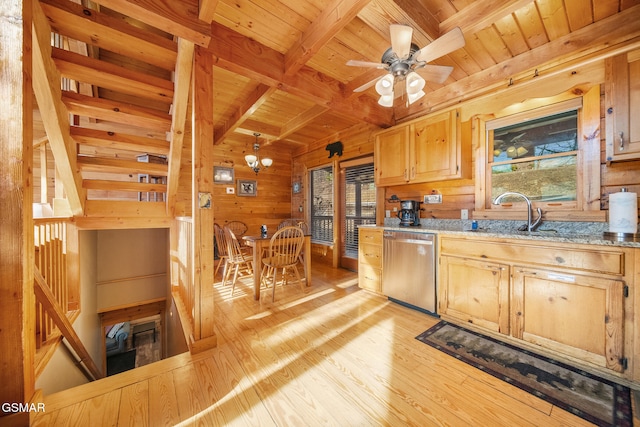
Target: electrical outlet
(387, 213)
(432, 198)
(464, 213)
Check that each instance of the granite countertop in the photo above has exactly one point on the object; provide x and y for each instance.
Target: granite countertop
(564, 232)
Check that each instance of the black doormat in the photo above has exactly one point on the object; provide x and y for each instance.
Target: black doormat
(594, 399)
(121, 362)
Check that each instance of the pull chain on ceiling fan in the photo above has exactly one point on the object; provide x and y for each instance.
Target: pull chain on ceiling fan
(404, 58)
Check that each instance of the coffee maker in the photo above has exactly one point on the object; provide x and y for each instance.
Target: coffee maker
(409, 213)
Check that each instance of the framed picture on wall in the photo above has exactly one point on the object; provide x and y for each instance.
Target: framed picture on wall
(296, 187)
(247, 187)
(222, 175)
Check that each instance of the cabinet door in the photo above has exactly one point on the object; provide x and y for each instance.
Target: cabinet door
(435, 151)
(622, 98)
(474, 292)
(370, 259)
(579, 316)
(392, 156)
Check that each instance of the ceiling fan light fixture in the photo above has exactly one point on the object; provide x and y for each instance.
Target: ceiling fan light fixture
(384, 86)
(415, 83)
(386, 100)
(413, 97)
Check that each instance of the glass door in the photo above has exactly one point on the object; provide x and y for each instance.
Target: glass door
(357, 207)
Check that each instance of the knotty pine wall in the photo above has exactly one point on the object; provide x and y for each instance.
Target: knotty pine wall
(357, 142)
(460, 194)
(272, 203)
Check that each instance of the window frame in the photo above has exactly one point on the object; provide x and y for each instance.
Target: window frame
(587, 204)
(314, 239)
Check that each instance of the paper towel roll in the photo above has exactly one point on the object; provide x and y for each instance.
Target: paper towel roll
(623, 212)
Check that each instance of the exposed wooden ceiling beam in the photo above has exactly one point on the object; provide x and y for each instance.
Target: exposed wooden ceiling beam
(55, 117)
(335, 16)
(104, 74)
(119, 141)
(177, 17)
(257, 97)
(182, 81)
(118, 112)
(481, 14)
(207, 10)
(106, 32)
(242, 55)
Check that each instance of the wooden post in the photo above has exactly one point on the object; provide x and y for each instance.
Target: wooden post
(204, 334)
(17, 317)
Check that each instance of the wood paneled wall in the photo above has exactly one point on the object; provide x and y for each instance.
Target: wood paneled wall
(460, 194)
(272, 202)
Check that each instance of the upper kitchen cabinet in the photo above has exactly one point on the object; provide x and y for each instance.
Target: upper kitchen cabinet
(622, 98)
(423, 150)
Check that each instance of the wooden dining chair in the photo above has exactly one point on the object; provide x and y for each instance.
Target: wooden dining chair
(236, 258)
(239, 228)
(221, 244)
(284, 252)
(288, 223)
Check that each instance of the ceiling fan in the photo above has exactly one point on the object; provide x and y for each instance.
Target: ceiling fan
(404, 58)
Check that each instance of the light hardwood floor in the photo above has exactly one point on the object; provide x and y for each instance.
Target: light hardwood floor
(334, 355)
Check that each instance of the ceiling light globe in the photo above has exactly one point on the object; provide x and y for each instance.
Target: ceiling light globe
(266, 162)
(413, 97)
(386, 100)
(384, 86)
(251, 159)
(415, 83)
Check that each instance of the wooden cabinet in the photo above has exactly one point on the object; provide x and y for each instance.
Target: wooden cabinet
(622, 104)
(474, 291)
(569, 300)
(370, 259)
(424, 150)
(580, 316)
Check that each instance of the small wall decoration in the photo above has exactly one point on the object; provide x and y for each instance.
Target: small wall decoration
(334, 148)
(222, 175)
(204, 200)
(296, 187)
(247, 187)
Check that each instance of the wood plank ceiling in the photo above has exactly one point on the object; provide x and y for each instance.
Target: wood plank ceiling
(280, 69)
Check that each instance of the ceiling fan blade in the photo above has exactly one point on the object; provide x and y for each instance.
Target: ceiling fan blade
(356, 63)
(401, 39)
(435, 73)
(367, 85)
(442, 45)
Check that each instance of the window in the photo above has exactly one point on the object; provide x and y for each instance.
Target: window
(322, 205)
(535, 153)
(360, 204)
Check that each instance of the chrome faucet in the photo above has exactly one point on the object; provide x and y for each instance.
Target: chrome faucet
(531, 226)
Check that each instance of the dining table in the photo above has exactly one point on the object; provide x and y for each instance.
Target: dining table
(260, 242)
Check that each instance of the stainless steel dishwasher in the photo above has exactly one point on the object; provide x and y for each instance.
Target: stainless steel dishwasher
(408, 269)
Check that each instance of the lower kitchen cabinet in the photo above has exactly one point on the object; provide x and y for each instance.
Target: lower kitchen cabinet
(569, 300)
(580, 316)
(370, 259)
(475, 292)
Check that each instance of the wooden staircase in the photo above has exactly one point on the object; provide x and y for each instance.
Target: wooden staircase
(112, 90)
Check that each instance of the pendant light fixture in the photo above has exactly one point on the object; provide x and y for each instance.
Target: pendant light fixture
(254, 161)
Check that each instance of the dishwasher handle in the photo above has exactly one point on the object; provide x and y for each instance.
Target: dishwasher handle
(413, 241)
